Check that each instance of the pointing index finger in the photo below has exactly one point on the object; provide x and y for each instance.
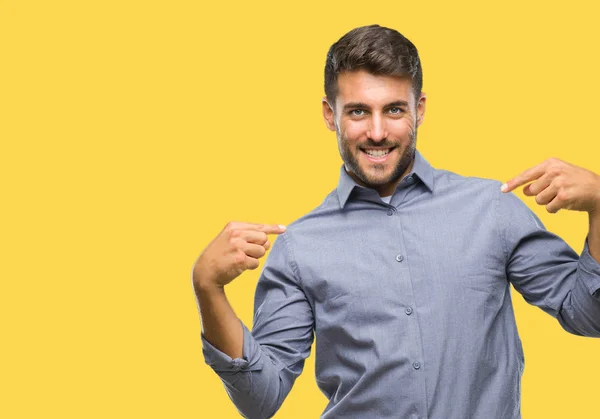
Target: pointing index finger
(523, 178)
(268, 228)
(273, 228)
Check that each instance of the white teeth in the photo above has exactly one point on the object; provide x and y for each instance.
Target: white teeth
(377, 153)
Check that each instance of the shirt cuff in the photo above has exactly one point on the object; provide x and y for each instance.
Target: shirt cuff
(221, 362)
(591, 268)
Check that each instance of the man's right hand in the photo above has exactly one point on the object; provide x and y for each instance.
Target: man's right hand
(237, 248)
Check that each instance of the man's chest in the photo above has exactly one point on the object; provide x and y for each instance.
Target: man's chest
(379, 266)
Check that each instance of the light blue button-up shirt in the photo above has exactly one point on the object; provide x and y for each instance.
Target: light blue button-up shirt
(409, 301)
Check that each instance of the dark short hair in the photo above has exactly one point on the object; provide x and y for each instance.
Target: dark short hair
(376, 49)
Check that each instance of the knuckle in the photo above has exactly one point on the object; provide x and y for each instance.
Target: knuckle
(234, 242)
(239, 258)
(554, 171)
(554, 166)
(558, 164)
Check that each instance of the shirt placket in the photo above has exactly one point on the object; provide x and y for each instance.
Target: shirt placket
(406, 288)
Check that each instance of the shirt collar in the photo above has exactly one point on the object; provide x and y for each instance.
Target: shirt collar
(421, 169)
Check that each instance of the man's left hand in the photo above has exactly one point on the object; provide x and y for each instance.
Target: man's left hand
(558, 184)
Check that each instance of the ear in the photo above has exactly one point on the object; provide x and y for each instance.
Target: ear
(328, 114)
(421, 108)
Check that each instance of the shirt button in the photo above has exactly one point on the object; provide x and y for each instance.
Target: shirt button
(410, 180)
(399, 258)
(391, 210)
(416, 365)
(408, 311)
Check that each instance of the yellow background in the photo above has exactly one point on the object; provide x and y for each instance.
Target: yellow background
(131, 132)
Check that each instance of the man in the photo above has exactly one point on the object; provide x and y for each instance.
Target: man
(403, 273)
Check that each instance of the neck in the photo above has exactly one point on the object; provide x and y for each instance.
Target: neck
(383, 190)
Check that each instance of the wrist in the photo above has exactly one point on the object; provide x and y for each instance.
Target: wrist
(594, 217)
(596, 202)
(205, 286)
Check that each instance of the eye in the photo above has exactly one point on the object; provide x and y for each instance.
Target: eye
(357, 112)
(395, 110)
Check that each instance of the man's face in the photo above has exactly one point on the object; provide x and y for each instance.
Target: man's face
(375, 118)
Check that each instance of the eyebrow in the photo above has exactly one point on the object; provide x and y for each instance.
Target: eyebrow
(355, 105)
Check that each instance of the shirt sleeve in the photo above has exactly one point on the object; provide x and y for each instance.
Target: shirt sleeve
(274, 352)
(547, 271)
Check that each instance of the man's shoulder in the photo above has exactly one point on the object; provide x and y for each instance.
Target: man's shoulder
(447, 179)
(329, 207)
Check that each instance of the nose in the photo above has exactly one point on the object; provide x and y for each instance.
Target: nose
(377, 130)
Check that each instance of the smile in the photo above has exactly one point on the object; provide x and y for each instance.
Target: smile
(377, 154)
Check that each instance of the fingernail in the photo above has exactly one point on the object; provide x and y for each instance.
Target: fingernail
(281, 226)
(504, 187)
